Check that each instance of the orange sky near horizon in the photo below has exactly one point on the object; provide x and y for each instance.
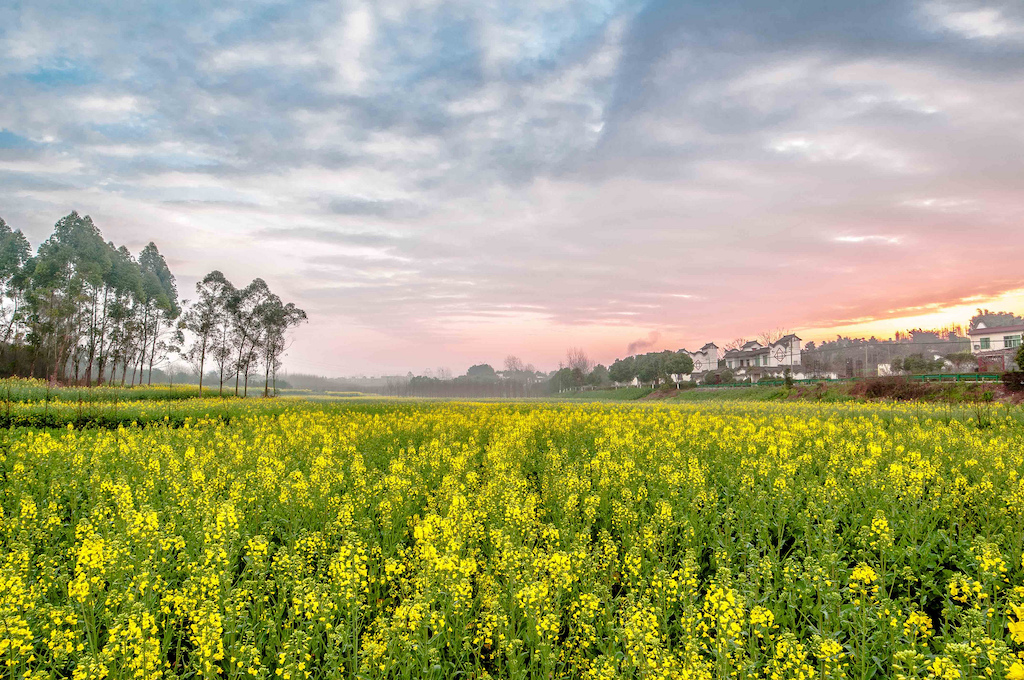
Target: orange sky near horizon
(535, 340)
(938, 316)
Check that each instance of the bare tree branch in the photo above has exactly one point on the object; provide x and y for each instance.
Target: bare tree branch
(576, 357)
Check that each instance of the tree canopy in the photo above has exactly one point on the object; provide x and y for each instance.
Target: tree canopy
(481, 372)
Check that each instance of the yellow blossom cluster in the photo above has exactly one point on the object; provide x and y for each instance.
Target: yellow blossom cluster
(285, 539)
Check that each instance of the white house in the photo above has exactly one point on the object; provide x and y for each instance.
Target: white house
(704, 359)
(783, 352)
(995, 339)
(995, 343)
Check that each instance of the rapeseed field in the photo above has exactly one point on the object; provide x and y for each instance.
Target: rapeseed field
(443, 540)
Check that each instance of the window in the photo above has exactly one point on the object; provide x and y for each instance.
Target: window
(1011, 341)
(986, 343)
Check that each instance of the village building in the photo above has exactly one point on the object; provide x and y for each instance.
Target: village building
(705, 359)
(784, 352)
(995, 346)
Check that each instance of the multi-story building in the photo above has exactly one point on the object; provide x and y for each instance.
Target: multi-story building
(705, 359)
(995, 346)
(783, 352)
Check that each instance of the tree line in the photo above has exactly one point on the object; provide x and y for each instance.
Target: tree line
(653, 367)
(82, 310)
(516, 379)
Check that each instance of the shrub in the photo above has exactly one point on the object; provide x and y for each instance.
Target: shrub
(713, 378)
(1014, 381)
(896, 388)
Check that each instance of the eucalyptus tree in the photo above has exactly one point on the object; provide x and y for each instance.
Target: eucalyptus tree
(245, 328)
(91, 259)
(160, 304)
(84, 305)
(14, 252)
(101, 290)
(65, 277)
(126, 292)
(275, 319)
(220, 342)
(207, 320)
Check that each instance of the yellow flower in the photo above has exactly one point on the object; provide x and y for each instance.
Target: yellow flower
(1017, 627)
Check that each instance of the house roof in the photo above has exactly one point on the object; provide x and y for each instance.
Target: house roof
(786, 338)
(710, 344)
(743, 353)
(995, 330)
(752, 343)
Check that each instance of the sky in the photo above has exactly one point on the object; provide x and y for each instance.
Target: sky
(442, 183)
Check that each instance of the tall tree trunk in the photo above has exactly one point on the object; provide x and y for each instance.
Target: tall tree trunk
(145, 337)
(101, 360)
(91, 353)
(266, 381)
(152, 351)
(135, 367)
(76, 355)
(202, 362)
(238, 363)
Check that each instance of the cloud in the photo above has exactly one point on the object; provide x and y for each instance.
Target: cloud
(870, 238)
(454, 175)
(379, 208)
(362, 238)
(974, 22)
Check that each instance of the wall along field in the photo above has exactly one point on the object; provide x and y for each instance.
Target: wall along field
(446, 540)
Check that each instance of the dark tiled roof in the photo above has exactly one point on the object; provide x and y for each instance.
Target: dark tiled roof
(995, 330)
(710, 344)
(742, 354)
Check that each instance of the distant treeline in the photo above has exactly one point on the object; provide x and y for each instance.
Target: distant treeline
(517, 379)
(82, 310)
(324, 384)
(499, 387)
